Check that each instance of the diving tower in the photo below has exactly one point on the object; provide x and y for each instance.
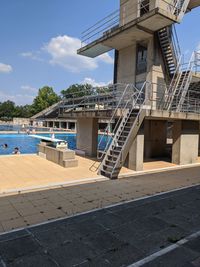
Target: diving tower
(154, 91)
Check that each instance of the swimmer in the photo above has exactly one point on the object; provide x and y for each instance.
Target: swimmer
(16, 151)
(5, 146)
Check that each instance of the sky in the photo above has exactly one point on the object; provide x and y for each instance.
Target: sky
(39, 39)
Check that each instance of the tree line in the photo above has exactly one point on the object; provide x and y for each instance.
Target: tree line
(46, 97)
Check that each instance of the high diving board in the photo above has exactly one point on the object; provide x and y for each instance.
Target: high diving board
(45, 138)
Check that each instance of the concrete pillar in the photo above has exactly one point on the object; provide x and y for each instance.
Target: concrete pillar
(54, 124)
(136, 153)
(87, 135)
(67, 125)
(185, 142)
(199, 140)
(60, 124)
(110, 127)
(155, 138)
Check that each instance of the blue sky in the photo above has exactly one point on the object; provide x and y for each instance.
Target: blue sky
(39, 39)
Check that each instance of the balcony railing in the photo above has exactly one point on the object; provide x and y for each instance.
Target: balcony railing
(125, 15)
(107, 98)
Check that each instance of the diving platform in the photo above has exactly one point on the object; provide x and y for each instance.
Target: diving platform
(56, 150)
(136, 20)
(45, 138)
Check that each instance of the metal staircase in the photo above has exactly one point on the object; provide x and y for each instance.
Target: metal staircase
(168, 37)
(181, 82)
(180, 8)
(131, 119)
(170, 48)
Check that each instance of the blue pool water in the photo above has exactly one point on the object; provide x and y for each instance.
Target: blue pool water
(9, 127)
(28, 144)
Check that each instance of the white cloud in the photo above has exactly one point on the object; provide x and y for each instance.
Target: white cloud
(106, 58)
(94, 83)
(29, 88)
(4, 68)
(19, 99)
(32, 55)
(63, 52)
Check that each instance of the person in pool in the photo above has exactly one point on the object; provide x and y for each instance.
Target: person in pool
(5, 146)
(16, 151)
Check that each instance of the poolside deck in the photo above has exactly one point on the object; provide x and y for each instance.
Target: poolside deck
(25, 173)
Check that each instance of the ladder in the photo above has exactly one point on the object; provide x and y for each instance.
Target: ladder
(131, 119)
(170, 48)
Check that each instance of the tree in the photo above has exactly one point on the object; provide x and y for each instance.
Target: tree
(7, 109)
(45, 98)
(23, 111)
(77, 90)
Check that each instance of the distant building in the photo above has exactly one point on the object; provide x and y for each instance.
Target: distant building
(21, 121)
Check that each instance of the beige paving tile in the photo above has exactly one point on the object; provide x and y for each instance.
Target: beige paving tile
(1, 228)
(31, 171)
(9, 215)
(27, 211)
(13, 224)
(53, 214)
(34, 219)
(35, 207)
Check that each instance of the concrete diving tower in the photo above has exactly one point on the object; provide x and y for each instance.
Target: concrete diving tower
(135, 20)
(155, 92)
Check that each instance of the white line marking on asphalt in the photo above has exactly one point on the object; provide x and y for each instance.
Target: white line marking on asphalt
(165, 250)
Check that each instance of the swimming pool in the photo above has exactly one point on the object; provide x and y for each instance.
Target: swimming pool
(16, 128)
(28, 144)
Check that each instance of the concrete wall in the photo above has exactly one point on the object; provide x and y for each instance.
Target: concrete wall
(64, 158)
(136, 153)
(126, 65)
(87, 135)
(126, 68)
(155, 140)
(128, 11)
(185, 142)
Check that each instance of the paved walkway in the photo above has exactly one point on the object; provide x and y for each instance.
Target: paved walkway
(150, 232)
(29, 172)
(19, 172)
(35, 207)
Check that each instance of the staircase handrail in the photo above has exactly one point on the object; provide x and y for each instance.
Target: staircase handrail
(107, 128)
(170, 90)
(186, 80)
(122, 117)
(125, 109)
(175, 42)
(141, 91)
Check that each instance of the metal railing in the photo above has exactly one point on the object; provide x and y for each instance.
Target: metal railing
(129, 95)
(97, 98)
(114, 96)
(181, 81)
(175, 43)
(126, 14)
